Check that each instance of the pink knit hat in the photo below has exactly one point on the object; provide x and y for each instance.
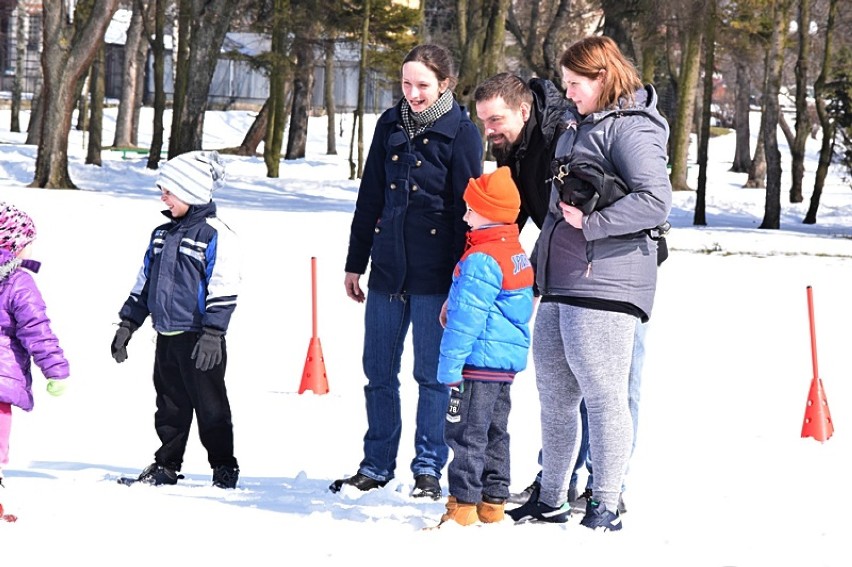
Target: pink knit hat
(16, 228)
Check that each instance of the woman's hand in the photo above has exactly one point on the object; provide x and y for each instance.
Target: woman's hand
(353, 288)
(572, 215)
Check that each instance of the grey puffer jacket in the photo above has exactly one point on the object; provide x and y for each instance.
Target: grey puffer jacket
(611, 258)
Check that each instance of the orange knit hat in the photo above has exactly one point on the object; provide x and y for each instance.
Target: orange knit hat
(494, 196)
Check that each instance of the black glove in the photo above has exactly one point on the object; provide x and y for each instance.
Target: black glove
(208, 350)
(122, 336)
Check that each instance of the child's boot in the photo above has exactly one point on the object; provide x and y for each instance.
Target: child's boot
(463, 513)
(490, 510)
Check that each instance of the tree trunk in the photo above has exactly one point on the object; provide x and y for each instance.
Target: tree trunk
(65, 59)
(277, 119)
(682, 127)
(204, 41)
(699, 219)
(83, 103)
(480, 35)
(20, 55)
(757, 169)
(36, 116)
(803, 127)
(256, 132)
(789, 136)
(130, 76)
(828, 125)
(328, 98)
(742, 111)
(96, 119)
(303, 86)
(158, 49)
(775, 61)
(355, 171)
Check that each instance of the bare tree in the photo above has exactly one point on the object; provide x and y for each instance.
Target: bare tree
(699, 217)
(481, 25)
(96, 117)
(67, 56)
(689, 41)
(742, 110)
(158, 48)
(828, 125)
(20, 57)
(771, 111)
(541, 29)
(278, 78)
(803, 126)
(328, 98)
(133, 73)
(202, 28)
(357, 169)
(306, 33)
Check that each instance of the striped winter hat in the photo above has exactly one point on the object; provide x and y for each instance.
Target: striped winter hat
(192, 177)
(17, 229)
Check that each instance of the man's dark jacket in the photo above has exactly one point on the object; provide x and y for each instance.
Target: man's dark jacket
(531, 158)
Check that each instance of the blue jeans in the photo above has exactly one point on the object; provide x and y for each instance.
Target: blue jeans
(478, 435)
(387, 320)
(634, 385)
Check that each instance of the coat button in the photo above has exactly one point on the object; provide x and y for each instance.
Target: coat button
(419, 163)
(425, 140)
(414, 187)
(433, 232)
(394, 157)
(393, 186)
(377, 230)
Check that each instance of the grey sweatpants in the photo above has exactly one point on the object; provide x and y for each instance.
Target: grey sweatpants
(583, 353)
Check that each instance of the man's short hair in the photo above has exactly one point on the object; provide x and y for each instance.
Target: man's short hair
(511, 88)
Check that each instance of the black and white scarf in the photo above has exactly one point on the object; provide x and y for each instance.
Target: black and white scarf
(416, 122)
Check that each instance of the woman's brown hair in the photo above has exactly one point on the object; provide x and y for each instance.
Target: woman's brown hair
(594, 55)
(437, 59)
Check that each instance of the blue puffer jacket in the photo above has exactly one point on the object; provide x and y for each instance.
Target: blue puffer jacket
(408, 215)
(487, 336)
(189, 276)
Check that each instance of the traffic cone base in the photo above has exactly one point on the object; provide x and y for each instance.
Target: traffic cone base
(313, 376)
(817, 423)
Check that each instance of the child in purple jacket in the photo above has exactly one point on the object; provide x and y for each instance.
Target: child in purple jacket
(26, 333)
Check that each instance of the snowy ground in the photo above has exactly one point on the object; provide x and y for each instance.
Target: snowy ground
(720, 477)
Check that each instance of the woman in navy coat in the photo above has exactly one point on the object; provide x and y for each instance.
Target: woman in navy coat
(408, 227)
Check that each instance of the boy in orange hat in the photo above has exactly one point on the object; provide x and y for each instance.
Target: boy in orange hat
(485, 343)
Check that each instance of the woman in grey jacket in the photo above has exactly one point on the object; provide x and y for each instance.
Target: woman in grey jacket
(596, 269)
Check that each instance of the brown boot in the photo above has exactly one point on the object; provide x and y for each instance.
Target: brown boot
(462, 513)
(490, 512)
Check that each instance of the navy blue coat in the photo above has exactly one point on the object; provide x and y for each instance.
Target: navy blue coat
(408, 215)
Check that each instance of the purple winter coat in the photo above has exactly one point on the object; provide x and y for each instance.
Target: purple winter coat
(25, 334)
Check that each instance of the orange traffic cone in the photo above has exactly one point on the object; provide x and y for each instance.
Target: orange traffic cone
(313, 376)
(817, 423)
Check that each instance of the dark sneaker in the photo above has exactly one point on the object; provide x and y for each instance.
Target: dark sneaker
(599, 518)
(537, 511)
(579, 501)
(156, 475)
(225, 476)
(359, 481)
(529, 494)
(426, 486)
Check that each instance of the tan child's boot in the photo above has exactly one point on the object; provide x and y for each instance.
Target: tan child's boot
(462, 513)
(490, 512)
